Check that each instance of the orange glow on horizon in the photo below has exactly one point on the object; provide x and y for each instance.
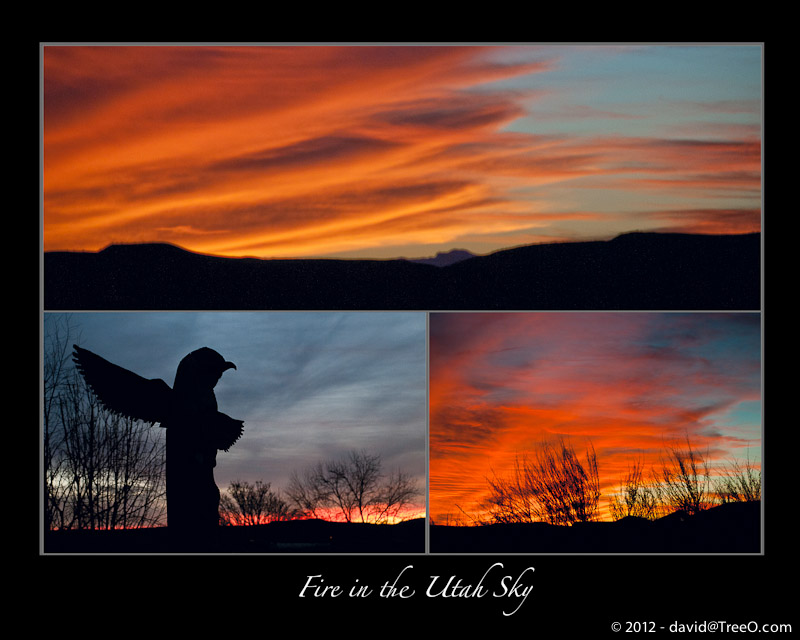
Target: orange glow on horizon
(335, 515)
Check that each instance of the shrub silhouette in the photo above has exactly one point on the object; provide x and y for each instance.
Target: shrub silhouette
(686, 482)
(250, 504)
(684, 479)
(636, 497)
(553, 486)
(741, 482)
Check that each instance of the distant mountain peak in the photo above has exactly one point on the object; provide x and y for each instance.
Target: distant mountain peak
(446, 258)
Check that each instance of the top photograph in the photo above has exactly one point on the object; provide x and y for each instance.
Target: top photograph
(401, 177)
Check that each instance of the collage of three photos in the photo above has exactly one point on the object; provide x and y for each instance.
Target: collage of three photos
(402, 299)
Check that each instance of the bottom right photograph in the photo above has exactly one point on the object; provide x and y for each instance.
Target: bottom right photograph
(579, 432)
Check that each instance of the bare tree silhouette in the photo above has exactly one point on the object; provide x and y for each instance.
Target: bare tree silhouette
(353, 488)
(101, 470)
(552, 486)
(249, 504)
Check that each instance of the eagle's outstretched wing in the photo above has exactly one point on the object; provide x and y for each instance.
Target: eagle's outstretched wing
(122, 391)
(227, 431)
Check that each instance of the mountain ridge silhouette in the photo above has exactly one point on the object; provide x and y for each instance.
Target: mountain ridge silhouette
(728, 528)
(633, 271)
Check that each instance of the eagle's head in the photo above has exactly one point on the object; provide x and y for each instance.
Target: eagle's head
(201, 369)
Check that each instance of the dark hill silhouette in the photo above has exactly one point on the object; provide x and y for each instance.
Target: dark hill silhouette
(294, 536)
(637, 271)
(729, 528)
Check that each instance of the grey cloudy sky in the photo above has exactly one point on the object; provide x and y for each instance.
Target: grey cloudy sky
(309, 385)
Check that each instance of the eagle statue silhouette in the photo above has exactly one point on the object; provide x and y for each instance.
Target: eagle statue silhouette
(196, 429)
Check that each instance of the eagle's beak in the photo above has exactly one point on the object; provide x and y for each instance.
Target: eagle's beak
(228, 365)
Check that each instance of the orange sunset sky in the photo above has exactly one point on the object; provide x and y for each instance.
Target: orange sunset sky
(388, 151)
(630, 384)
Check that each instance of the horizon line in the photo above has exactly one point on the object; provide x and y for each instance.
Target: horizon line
(400, 258)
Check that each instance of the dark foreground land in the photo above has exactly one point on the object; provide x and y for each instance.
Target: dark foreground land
(731, 528)
(635, 271)
(296, 536)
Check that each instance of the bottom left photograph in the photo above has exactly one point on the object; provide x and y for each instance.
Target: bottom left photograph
(234, 432)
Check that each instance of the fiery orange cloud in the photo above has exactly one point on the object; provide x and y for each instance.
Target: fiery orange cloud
(294, 151)
(228, 162)
(629, 384)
